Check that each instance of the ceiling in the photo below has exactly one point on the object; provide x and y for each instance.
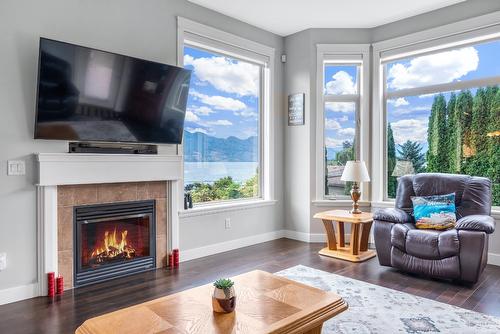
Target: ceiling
(285, 17)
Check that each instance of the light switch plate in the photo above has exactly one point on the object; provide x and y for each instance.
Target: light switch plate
(228, 223)
(16, 167)
(3, 261)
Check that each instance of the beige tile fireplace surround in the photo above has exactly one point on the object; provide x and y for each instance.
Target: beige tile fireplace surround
(68, 180)
(69, 196)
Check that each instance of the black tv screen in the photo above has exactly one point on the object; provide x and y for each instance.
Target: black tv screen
(86, 94)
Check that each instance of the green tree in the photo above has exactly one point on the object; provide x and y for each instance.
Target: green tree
(412, 151)
(463, 113)
(452, 135)
(346, 154)
(436, 135)
(493, 143)
(226, 188)
(391, 163)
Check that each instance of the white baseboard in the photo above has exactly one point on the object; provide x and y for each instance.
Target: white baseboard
(195, 253)
(494, 259)
(18, 293)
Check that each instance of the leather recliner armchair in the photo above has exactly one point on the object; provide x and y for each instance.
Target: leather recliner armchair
(460, 253)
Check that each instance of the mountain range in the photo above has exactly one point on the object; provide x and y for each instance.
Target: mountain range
(202, 147)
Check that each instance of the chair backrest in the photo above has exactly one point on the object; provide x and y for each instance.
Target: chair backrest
(472, 193)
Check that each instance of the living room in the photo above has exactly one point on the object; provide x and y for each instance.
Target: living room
(195, 166)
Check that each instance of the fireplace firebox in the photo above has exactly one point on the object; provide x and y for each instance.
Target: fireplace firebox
(113, 240)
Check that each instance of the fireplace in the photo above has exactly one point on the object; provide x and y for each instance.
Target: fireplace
(113, 240)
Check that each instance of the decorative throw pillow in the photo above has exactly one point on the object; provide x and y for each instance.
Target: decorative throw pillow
(434, 212)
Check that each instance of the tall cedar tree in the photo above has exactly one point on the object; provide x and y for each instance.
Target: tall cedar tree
(452, 135)
(463, 110)
(412, 151)
(494, 148)
(478, 163)
(436, 155)
(391, 163)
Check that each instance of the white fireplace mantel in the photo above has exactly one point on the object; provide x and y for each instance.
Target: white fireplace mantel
(72, 168)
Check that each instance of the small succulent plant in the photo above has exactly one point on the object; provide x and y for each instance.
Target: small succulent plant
(224, 284)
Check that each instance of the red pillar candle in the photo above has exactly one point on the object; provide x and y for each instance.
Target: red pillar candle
(60, 285)
(176, 257)
(51, 284)
(171, 260)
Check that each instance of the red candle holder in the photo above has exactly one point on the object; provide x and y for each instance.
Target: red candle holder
(60, 285)
(51, 284)
(176, 257)
(171, 260)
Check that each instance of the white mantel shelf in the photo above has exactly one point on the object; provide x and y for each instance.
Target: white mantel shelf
(78, 168)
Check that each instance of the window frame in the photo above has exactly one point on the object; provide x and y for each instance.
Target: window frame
(343, 54)
(465, 33)
(200, 36)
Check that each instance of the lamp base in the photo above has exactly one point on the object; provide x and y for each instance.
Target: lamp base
(355, 196)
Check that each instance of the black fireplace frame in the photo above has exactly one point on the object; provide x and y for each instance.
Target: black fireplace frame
(100, 212)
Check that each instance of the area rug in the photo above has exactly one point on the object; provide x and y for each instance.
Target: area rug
(377, 310)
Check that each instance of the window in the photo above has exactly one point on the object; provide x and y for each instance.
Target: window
(340, 76)
(223, 144)
(443, 113)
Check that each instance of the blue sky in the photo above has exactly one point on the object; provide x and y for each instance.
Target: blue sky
(224, 95)
(408, 115)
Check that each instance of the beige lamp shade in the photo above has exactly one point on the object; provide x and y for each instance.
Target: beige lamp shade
(355, 171)
(403, 167)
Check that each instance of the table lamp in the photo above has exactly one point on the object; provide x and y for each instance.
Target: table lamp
(355, 172)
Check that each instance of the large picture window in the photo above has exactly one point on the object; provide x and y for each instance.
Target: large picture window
(222, 137)
(443, 113)
(341, 99)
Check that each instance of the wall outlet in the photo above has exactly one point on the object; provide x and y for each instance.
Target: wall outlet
(228, 223)
(3, 261)
(16, 167)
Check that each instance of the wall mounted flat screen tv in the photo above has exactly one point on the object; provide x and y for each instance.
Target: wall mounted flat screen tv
(86, 94)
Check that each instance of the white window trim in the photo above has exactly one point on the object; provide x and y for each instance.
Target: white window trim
(185, 28)
(351, 53)
(477, 29)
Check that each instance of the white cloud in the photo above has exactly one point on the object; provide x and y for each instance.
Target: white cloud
(219, 102)
(227, 75)
(343, 119)
(333, 142)
(248, 113)
(433, 69)
(191, 117)
(223, 122)
(203, 110)
(400, 101)
(340, 106)
(410, 129)
(347, 132)
(205, 131)
(331, 124)
(249, 132)
(342, 83)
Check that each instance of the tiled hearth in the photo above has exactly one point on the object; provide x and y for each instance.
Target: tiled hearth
(69, 196)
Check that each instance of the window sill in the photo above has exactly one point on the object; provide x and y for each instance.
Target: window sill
(336, 203)
(204, 210)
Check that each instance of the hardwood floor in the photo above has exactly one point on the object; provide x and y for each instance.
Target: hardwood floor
(40, 315)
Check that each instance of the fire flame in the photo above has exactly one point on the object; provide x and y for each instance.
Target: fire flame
(112, 248)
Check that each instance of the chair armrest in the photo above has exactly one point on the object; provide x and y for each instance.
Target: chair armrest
(476, 223)
(392, 215)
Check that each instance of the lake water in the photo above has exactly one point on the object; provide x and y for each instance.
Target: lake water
(208, 172)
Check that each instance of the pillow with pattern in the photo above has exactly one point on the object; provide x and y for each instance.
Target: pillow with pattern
(434, 212)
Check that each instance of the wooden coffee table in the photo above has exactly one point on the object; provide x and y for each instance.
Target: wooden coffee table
(361, 223)
(265, 303)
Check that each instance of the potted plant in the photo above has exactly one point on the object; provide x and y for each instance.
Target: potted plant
(224, 298)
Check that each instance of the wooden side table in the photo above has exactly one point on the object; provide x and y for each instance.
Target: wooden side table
(357, 251)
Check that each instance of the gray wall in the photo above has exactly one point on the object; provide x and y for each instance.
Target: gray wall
(145, 29)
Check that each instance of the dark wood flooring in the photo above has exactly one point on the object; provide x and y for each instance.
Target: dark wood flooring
(40, 315)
